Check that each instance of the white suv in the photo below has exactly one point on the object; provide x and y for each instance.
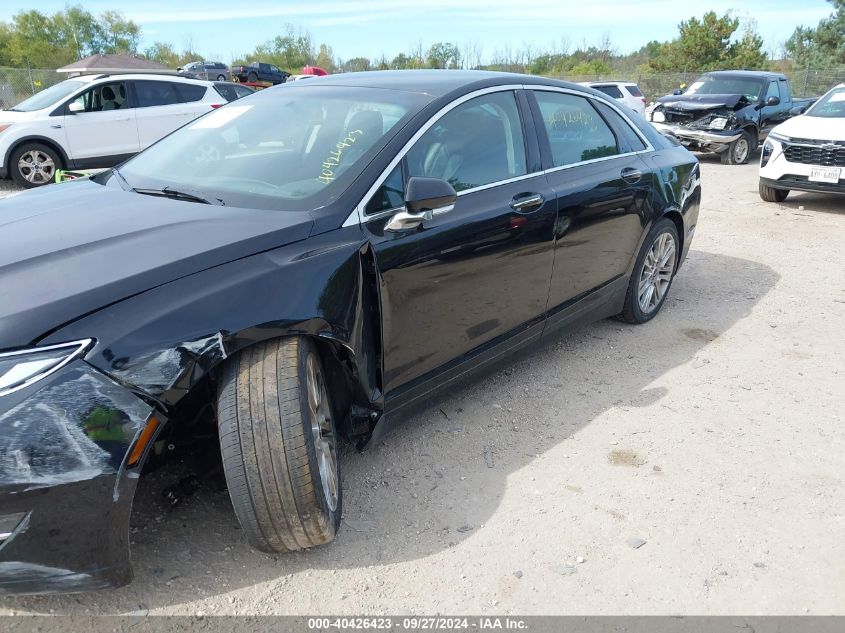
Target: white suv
(95, 121)
(626, 92)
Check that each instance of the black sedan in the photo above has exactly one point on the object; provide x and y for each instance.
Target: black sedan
(300, 266)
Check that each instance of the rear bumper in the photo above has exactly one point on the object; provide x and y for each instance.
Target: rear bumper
(63, 448)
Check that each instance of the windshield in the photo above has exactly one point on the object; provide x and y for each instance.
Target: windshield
(712, 85)
(284, 148)
(48, 96)
(830, 106)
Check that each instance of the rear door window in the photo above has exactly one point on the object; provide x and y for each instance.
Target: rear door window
(190, 92)
(576, 131)
(629, 141)
(156, 93)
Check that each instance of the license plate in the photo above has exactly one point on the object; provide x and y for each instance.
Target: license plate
(825, 174)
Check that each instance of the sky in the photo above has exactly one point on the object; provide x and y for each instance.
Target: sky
(224, 29)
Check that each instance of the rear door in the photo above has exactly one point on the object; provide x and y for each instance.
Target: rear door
(164, 106)
(601, 187)
(106, 128)
(480, 273)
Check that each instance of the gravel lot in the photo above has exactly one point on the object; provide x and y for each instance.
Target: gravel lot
(691, 465)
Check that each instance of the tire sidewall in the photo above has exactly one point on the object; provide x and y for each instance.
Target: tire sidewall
(734, 146)
(664, 225)
(330, 519)
(15, 157)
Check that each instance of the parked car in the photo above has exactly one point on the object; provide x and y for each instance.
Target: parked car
(806, 153)
(729, 112)
(260, 71)
(232, 91)
(95, 121)
(307, 268)
(208, 71)
(298, 77)
(625, 92)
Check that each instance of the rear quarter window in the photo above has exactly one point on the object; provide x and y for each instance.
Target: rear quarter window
(189, 93)
(610, 91)
(634, 90)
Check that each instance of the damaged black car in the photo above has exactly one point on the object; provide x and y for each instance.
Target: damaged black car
(727, 112)
(300, 267)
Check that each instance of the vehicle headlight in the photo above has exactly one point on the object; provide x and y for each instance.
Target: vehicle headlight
(718, 123)
(658, 117)
(22, 368)
(766, 154)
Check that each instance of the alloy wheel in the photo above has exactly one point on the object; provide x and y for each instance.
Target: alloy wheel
(741, 151)
(322, 430)
(656, 275)
(37, 167)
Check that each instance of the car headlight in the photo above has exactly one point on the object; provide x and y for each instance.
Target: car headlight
(658, 117)
(22, 368)
(766, 154)
(718, 123)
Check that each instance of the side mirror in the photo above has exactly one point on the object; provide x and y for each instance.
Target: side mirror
(773, 101)
(180, 69)
(75, 107)
(677, 91)
(425, 198)
(429, 194)
(797, 110)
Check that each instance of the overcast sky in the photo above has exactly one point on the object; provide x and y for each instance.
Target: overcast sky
(224, 28)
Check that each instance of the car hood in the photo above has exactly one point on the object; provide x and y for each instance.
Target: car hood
(698, 103)
(813, 127)
(7, 116)
(68, 250)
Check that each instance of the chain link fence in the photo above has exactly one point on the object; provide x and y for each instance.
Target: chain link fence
(17, 84)
(805, 83)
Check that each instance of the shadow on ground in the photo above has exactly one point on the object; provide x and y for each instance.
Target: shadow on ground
(405, 499)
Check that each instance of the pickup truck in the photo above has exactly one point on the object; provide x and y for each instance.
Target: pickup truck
(729, 112)
(259, 71)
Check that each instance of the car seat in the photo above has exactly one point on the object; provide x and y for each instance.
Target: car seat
(108, 99)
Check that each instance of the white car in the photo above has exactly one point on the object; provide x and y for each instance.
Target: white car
(807, 152)
(96, 121)
(625, 92)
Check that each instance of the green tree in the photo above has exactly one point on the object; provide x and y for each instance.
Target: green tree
(356, 64)
(823, 46)
(443, 55)
(290, 51)
(706, 44)
(118, 35)
(325, 59)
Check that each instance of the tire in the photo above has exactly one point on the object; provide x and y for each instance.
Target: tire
(634, 311)
(739, 151)
(770, 194)
(221, 77)
(282, 497)
(44, 161)
(252, 77)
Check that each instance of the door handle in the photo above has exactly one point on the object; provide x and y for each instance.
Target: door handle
(631, 175)
(57, 126)
(528, 202)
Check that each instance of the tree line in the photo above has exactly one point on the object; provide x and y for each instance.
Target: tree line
(713, 41)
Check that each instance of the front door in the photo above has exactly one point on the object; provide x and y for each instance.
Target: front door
(602, 189)
(480, 273)
(105, 128)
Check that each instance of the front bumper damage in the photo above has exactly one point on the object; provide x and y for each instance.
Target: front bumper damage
(702, 140)
(65, 488)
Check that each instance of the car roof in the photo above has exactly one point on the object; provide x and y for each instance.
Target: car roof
(764, 74)
(149, 76)
(611, 82)
(436, 83)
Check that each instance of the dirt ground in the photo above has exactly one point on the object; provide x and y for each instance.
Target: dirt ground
(692, 465)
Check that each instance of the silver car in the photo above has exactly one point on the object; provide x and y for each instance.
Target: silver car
(205, 70)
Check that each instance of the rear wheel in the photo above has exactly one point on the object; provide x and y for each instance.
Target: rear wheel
(653, 273)
(279, 445)
(221, 77)
(33, 165)
(252, 77)
(770, 194)
(739, 151)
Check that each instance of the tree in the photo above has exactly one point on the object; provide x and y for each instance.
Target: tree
(290, 51)
(705, 44)
(443, 55)
(356, 64)
(325, 59)
(118, 34)
(823, 46)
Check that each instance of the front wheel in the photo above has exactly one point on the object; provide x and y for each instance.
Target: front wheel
(739, 151)
(33, 165)
(221, 77)
(252, 77)
(770, 194)
(279, 445)
(653, 273)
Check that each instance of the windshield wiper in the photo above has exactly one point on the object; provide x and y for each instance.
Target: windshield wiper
(168, 192)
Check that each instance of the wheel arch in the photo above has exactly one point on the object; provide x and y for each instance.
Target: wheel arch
(52, 144)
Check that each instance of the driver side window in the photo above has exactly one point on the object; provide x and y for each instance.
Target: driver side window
(773, 91)
(108, 96)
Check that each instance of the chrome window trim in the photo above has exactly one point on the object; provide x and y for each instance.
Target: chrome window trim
(82, 346)
(359, 216)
